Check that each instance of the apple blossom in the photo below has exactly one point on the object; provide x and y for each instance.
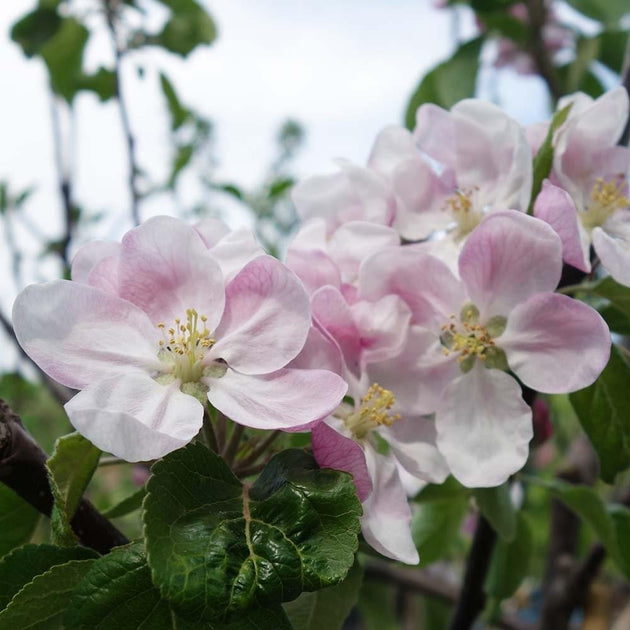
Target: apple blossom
(586, 201)
(502, 315)
(172, 336)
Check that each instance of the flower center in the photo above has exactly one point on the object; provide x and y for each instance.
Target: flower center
(184, 345)
(471, 340)
(462, 208)
(607, 197)
(373, 412)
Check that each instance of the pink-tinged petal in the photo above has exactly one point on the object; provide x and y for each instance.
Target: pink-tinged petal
(383, 327)
(508, 258)
(104, 275)
(89, 256)
(78, 334)
(332, 448)
(392, 145)
(422, 281)
(436, 133)
(354, 241)
(319, 352)
(333, 314)
(418, 375)
(612, 245)
(484, 427)
(280, 400)
(135, 418)
(211, 231)
(556, 344)
(314, 268)
(413, 442)
(386, 520)
(166, 269)
(536, 134)
(555, 206)
(311, 235)
(235, 250)
(266, 320)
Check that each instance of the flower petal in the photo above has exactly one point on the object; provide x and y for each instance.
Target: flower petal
(484, 427)
(135, 418)
(266, 320)
(612, 245)
(555, 206)
(334, 449)
(235, 250)
(386, 520)
(281, 400)
(166, 269)
(556, 344)
(508, 258)
(320, 351)
(78, 334)
(89, 256)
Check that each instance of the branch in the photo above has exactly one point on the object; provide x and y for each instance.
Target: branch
(23, 469)
(425, 582)
(132, 178)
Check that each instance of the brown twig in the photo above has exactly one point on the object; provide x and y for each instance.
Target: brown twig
(231, 447)
(259, 449)
(23, 469)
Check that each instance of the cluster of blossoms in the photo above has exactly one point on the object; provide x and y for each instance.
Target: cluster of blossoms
(416, 301)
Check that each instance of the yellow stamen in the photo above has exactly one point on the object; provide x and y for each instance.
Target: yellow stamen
(374, 411)
(607, 197)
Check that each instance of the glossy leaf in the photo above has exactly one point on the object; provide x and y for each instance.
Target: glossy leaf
(220, 546)
(604, 413)
(496, 505)
(69, 469)
(449, 82)
(18, 520)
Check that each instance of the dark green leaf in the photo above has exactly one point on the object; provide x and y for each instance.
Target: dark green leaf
(605, 11)
(179, 114)
(450, 489)
(69, 469)
(500, 21)
(620, 515)
(182, 158)
(377, 605)
(612, 48)
(449, 82)
(544, 158)
(118, 593)
(102, 83)
(218, 547)
(43, 600)
(617, 320)
(188, 27)
(128, 505)
(604, 413)
(23, 564)
(33, 30)
(496, 505)
(18, 520)
(327, 608)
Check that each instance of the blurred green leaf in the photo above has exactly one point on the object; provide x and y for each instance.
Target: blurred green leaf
(612, 48)
(70, 469)
(182, 159)
(127, 505)
(604, 413)
(377, 605)
(188, 27)
(605, 11)
(18, 520)
(179, 113)
(327, 608)
(41, 602)
(449, 82)
(500, 21)
(33, 30)
(221, 547)
(496, 505)
(586, 51)
(616, 319)
(102, 83)
(450, 489)
(620, 515)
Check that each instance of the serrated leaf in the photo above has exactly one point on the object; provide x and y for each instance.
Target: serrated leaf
(43, 600)
(449, 82)
(118, 593)
(510, 562)
(128, 505)
(603, 410)
(21, 565)
(18, 520)
(496, 505)
(543, 161)
(220, 547)
(69, 469)
(327, 608)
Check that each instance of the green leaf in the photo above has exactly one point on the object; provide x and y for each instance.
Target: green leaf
(102, 83)
(605, 11)
(23, 564)
(620, 515)
(118, 593)
(612, 48)
(586, 51)
(604, 413)
(449, 82)
(435, 526)
(510, 562)
(327, 608)
(42, 601)
(450, 489)
(617, 321)
(377, 605)
(69, 469)
(496, 505)
(179, 113)
(33, 30)
(544, 158)
(220, 547)
(181, 160)
(188, 27)
(18, 520)
(128, 505)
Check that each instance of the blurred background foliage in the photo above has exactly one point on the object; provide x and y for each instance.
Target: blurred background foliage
(528, 38)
